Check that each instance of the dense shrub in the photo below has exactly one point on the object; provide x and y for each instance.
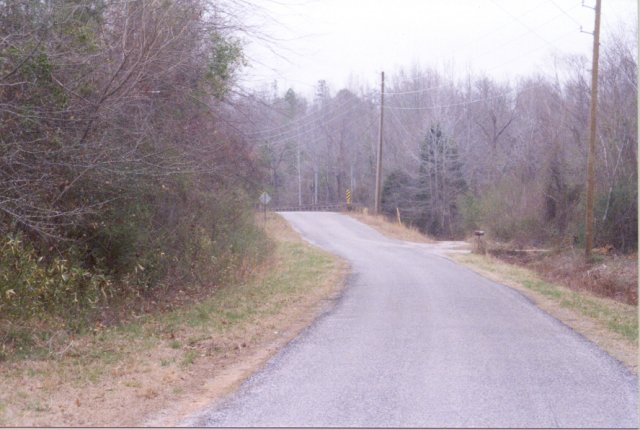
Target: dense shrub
(31, 286)
(120, 176)
(616, 217)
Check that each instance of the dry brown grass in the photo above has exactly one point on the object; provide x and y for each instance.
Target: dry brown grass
(612, 276)
(168, 365)
(391, 229)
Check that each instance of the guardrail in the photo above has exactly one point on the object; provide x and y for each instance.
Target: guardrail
(311, 208)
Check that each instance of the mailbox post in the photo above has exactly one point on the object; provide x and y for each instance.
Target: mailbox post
(480, 244)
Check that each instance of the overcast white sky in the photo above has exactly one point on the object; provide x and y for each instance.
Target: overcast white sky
(336, 39)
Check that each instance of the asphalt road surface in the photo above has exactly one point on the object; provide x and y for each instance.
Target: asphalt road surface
(418, 341)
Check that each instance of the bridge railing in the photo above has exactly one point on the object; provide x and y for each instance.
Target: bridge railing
(321, 207)
(311, 208)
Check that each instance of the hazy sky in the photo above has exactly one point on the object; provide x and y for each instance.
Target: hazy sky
(336, 39)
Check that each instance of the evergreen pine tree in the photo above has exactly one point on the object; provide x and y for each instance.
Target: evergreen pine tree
(440, 181)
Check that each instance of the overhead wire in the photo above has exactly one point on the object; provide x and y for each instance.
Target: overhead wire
(319, 137)
(474, 101)
(407, 133)
(313, 125)
(521, 22)
(565, 12)
(297, 131)
(492, 49)
(515, 39)
(497, 96)
(467, 46)
(299, 119)
(287, 135)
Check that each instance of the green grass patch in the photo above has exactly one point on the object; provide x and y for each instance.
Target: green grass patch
(94, 374)
(189, 357)
(298, 268)
(133, 384)
(38, 406)
(105, 356)
(167, 362)
(617, 317)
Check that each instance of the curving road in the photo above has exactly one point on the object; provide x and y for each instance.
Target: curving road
(418, 341)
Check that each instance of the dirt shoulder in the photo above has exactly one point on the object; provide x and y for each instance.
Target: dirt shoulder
(610, 324)
(160, 370)
(389, 229)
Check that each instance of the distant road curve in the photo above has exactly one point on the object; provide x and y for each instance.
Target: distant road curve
(419, 341)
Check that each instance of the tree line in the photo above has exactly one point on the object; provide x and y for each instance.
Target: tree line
(121, 172)
(466, 153)
(131, 160)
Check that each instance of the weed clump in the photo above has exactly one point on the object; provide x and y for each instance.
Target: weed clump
(31, 286)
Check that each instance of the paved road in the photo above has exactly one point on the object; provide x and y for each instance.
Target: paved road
(417, 340)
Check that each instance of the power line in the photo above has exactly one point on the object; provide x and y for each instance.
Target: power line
(465, 103)
(531, 51)
(296, 122)
(410, 151)
(489, 51)
(521, 22)
(473, 101)
(565, 12)
(316, 116)
(422, 90)
(298, 131)
(304, 133)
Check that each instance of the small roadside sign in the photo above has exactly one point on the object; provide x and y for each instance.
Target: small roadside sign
(265, 198)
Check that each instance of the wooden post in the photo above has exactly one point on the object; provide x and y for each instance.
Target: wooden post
(378, 191)
(588, 235)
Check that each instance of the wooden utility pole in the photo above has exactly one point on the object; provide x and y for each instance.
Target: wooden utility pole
(299, 178)
(588, 235)
(315, 187)
(376, 207)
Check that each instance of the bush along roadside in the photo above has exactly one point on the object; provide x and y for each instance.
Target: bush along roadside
(159, 367)
(135, 261)
(31, 287)
(121, 185)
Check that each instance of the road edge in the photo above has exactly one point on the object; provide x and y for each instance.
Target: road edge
(608, 341)
(190, 409)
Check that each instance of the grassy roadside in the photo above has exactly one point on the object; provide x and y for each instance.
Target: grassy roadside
(164, 366)
(610, 324)
(390, 229)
